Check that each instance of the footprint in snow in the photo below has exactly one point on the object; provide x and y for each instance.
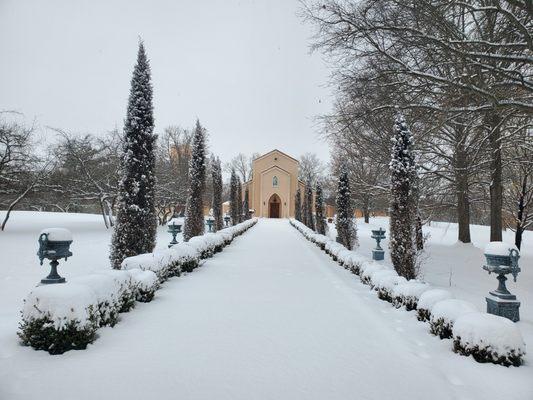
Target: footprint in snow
(454, 380)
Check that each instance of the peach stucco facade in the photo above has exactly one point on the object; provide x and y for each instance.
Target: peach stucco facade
(273, 186)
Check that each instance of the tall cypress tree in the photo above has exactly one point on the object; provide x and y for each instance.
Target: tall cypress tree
(346, 228)
(403, 205)
(233, 205)
(319, 211)
(194, 210)
(298, 205)
(239, 200)
(216, 174)
(309, 201)
(305, 207)
(246, 204)
(136, 222)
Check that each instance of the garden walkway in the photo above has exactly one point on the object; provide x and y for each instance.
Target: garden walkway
(271, 317)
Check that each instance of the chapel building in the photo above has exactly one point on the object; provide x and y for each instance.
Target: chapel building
(272, 188)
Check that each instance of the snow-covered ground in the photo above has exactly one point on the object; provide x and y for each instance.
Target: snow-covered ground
(271, 317)
(458, 267)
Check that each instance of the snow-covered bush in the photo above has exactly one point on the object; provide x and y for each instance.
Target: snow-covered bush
(356, 261)
(428, 299)
(384, 281)
(444, 314)
(344, 258)
(149, 262)
(146, 284)
(407, 294)
(207, 244)
(488, 338)
(105, 289)
(124, 287)
(333, 249)
(184, 257)
(58, 318)
(368, 269)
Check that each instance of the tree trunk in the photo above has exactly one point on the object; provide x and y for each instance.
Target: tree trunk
(520, 214)
(463, 201)
(496, 195)
(366, 210)
(14, 203)
(104, 215)
(419, 233)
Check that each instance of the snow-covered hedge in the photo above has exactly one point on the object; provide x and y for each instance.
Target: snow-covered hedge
(407, 294)
(146, 284)
(444, 314)
(384, 283)
(106, 295)
(428, 299)
(488, 338)
(62, 317)
(186, 256)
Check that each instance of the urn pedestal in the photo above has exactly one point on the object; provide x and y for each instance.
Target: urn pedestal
(502, 259)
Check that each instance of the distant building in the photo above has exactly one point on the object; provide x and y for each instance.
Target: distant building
(273, 186)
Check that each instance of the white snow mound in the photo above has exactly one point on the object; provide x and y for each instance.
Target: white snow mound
(499, 248)
(430, 297)
(451, 309)
(57, 234)
(487, 330)
(62, 303)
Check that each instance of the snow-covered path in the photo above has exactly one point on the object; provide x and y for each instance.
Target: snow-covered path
(271, 317)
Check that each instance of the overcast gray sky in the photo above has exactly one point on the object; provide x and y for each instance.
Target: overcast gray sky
(242, 67)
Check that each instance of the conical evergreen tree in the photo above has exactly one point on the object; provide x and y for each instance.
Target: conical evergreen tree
(309, 201)
(216, 174)
(298, 205)
(239, 204)
(319, 211)
(346, 228)
(194, 209)
(233, 205)
(305, 207)
(136, 222)
(403, 205)
(246, 204)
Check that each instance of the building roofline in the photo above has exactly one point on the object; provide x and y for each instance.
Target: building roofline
(279, 151)
(274, 167)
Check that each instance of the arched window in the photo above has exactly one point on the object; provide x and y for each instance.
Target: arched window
(275, 181)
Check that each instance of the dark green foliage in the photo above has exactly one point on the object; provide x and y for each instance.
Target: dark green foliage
(246, 204)
(239, 201)
(136, 223)
(346, 229)
(319, 211)
(423, 315)
(217, 195)
(189, 266)
(485, 355)
(298, 206)
(441, 328)
(234, 201)
(42, 335)
(309, 218)
(403, 203)
(194, 210)
(145, 296)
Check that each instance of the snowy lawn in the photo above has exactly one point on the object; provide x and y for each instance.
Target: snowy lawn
(271, 317)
